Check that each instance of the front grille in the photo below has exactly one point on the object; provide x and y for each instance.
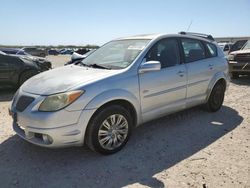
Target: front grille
(23, 102)
(243, 57)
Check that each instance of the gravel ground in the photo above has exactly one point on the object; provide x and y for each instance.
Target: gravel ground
(58, 60)
(192, 148)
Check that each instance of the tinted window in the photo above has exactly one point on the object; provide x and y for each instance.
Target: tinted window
(212, 50)
(193, 50)
(166, 51)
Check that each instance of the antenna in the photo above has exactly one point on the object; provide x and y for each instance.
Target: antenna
(189, 25)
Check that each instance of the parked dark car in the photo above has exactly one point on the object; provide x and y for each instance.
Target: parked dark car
(53, 52)
(82, 51)
(35, 51)
(237, 45)
(15, 70)
(66, 52)
(239, 61)
(14, 51)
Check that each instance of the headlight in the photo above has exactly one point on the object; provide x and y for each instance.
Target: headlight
(59, 101)
(230, 57)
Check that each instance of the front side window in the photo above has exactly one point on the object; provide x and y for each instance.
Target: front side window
(116, 54)
(193, 50)
(166, 52)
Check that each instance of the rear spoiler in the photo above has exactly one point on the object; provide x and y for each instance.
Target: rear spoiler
(209, 37)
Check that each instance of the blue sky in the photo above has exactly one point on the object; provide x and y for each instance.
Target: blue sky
(80, 22)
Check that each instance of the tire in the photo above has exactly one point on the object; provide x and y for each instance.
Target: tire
(101, 139)
(216, 98)
(26, 75)
(234, 75)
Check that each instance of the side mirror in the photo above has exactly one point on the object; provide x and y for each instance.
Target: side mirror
(76, 56)
(150, 66)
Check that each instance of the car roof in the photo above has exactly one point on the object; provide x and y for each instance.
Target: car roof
(160, 35)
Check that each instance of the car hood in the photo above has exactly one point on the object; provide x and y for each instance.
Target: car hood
(240, 52)
(29, 57)
(64, 78)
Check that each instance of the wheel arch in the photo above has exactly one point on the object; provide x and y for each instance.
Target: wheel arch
(117, 97)
(219, 77)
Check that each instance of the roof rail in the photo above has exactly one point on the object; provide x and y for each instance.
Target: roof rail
(209, 37)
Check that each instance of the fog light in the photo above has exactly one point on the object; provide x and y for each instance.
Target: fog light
(47, 139)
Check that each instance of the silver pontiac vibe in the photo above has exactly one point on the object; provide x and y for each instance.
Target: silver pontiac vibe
(123, 84)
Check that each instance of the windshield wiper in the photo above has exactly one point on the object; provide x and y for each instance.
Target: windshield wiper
(94, 65)
(83, 64)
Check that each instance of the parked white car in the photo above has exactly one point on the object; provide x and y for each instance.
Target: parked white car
(123, 84)
(225, 47)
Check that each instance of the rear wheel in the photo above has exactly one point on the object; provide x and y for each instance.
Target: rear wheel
(216, 97)
(26, 75)
(109, 130)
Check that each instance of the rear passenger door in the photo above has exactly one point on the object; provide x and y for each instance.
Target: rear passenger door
(200, 70)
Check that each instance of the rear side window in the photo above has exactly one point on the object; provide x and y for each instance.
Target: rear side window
(193, 50)
(212, 50)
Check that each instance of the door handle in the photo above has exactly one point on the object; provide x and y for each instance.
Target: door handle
(211, 66)
(181, 73)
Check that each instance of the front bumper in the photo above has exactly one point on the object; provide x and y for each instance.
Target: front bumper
(239, 67)
(50, 129)
(55, 137)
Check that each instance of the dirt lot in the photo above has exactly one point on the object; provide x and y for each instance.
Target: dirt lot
(192, 148)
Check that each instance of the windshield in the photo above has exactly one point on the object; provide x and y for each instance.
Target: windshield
(238, 45)
(247, 46)
(116, 54)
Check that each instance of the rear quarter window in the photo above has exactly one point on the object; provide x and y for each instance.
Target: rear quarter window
(212, 50)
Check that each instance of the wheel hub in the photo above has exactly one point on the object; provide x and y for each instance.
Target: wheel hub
(113, 131)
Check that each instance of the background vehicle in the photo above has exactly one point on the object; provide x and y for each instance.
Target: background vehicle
(25, 55)
(239, 61)
(237, 45)
(66, 52)
(15, 70)
(53, 52)
(82, 51)
(225, 47)
(14, 51)
(121, 85)
(35, 51)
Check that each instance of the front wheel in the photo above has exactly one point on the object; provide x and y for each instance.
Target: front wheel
(109, 130)
(216, 98)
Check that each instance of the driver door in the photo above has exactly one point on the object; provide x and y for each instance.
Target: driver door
(163, 91)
